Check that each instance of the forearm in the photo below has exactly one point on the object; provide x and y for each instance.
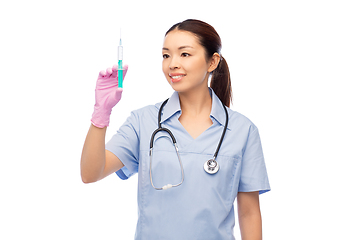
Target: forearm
(93, 155)
(251, 226)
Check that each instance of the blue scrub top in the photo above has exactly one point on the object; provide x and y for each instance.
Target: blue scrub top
(203, 206)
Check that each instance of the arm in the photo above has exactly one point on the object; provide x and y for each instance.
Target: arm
(96, 162)
(249, 215)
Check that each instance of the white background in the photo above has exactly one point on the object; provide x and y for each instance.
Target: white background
(295, 74)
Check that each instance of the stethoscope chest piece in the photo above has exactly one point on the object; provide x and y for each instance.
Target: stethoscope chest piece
(211, 166)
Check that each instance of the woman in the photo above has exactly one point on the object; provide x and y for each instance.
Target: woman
(181, 193)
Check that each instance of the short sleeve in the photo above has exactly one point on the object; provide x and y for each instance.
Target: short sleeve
(253, 176)
(125, 145)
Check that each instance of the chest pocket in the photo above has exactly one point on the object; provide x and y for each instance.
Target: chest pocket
(221, 185)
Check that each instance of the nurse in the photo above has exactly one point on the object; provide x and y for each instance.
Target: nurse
(202, 206)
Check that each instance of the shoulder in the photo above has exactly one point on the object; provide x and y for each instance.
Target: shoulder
(148, 108)
(145, 112)
(238, 121)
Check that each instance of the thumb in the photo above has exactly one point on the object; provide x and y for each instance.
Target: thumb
(117, 95)
(114, 97)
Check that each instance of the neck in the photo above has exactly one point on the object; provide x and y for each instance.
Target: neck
(195, 102)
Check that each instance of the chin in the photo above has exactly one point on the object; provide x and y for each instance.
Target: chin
(184, 86)
(177, 88)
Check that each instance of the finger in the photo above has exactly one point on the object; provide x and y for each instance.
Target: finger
(114, 71)
(102, 73)
(109, 71)
(125, 69)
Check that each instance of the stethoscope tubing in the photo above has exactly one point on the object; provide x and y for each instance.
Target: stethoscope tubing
(181, 166)
(207, 164)
(223, 133)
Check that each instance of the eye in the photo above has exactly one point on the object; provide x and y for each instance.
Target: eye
(165, 56)
(185, 54)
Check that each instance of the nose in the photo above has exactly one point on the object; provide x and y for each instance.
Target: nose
(174, 63)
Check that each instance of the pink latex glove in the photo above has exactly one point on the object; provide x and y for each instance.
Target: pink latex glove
(107, 95)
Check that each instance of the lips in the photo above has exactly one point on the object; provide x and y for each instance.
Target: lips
(176, 77)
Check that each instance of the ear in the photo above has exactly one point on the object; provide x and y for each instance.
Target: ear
(214, 62)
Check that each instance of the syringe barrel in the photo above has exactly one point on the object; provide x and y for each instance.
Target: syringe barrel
(120, 53)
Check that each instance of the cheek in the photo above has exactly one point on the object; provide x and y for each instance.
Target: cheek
(164, 68)
(199, 68)
(197, 63)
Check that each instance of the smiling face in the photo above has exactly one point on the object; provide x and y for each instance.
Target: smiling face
(184, 61)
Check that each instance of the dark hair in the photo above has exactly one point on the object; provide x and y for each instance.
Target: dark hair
(210, 40)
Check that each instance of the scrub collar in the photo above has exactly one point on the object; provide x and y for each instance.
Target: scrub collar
(173, 106)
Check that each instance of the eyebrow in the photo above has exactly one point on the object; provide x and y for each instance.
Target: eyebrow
(182, 47)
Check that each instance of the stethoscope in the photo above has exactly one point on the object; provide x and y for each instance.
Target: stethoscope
(210, 166)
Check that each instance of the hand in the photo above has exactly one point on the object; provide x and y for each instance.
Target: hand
(107, 95)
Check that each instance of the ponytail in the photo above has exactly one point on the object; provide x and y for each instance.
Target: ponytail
(221, 82)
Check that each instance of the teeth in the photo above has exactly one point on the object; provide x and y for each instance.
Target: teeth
(176, 77)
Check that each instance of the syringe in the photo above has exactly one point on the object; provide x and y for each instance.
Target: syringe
(120, 67)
